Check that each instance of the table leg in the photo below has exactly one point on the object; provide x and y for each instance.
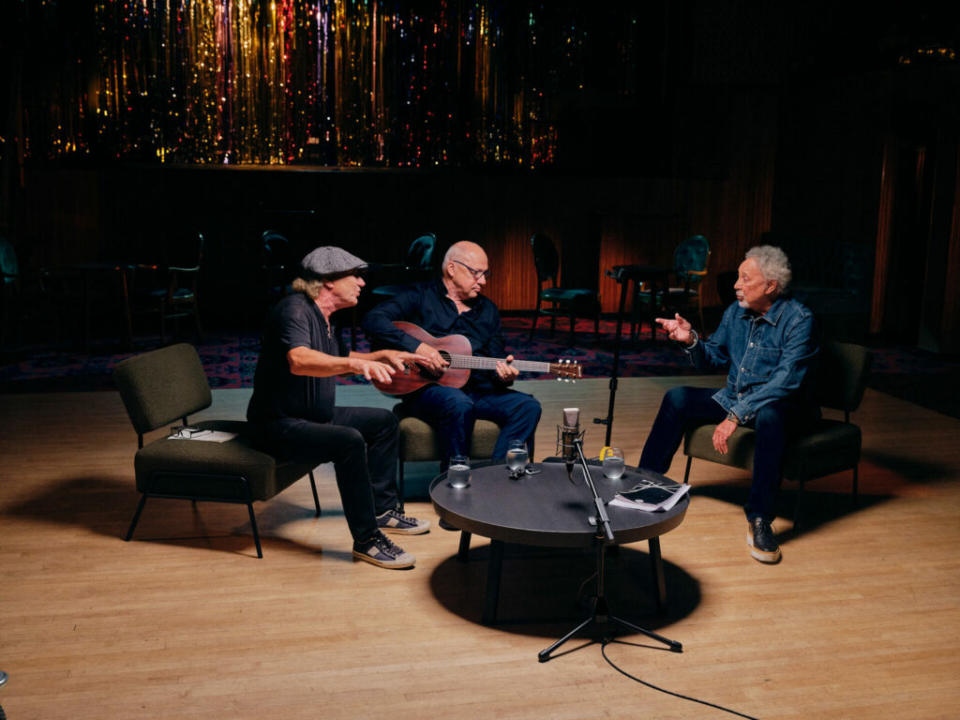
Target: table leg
(493, 583)
(656, 564)
(464, 550)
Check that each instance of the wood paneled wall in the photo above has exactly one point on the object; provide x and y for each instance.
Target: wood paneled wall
(597, 222)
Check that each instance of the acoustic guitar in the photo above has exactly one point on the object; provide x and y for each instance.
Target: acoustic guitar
(456, 350)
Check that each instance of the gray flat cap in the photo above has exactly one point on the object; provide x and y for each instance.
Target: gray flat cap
(329, 260)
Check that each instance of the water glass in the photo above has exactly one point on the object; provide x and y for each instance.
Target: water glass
(517, 456)
(613, 463)
(458, 472)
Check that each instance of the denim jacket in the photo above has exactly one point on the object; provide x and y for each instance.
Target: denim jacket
(769, 356)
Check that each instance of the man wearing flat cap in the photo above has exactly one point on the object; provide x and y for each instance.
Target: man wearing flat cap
(293, 404)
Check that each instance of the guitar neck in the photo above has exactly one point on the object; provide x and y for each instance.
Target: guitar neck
(471, 362)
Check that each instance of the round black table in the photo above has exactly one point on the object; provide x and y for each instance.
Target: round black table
(549, 510)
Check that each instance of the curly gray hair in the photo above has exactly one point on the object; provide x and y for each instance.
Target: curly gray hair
(773, 263)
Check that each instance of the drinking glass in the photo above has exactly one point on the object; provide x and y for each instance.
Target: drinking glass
(517, 456)
(458, 472)
(613, 463)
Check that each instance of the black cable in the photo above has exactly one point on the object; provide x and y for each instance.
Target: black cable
(603, 651)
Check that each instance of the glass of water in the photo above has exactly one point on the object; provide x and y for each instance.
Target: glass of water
(517, 457)
(613, 463)
(458, 472)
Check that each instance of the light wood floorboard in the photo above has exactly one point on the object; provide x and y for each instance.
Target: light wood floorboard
(860, 620)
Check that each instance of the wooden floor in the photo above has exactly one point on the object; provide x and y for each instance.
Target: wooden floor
(860, 620)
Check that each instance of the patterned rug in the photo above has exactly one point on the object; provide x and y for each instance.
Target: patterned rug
(230, 359)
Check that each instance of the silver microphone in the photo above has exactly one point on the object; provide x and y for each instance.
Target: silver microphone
(568, 431)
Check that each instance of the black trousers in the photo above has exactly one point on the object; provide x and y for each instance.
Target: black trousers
(361, 442)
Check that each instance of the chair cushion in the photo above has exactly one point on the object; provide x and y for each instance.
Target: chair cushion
(195, 468)
(419, 442)
(830, 447)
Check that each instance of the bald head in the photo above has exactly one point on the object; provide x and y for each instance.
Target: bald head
(464, 251)
(465, 270)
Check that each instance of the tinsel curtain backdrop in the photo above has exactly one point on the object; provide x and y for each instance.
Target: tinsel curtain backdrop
(372, 83)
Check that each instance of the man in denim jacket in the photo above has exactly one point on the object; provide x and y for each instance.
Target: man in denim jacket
(768, 342)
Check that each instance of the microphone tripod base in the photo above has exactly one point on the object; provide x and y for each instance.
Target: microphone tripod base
(605, 622)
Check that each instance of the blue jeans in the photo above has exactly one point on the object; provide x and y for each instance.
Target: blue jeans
(688, 407)
(451, 412)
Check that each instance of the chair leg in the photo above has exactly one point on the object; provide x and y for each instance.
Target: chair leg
(400, 485)
(313, 486)
(797, 509)
(856, 477)
(253, 526)
(136, 516)
(686, 474)
(536, 317)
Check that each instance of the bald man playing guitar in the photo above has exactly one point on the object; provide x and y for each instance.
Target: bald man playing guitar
(454, 305)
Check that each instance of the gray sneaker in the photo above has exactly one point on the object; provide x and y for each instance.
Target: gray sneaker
(380, 551)
(393, 522)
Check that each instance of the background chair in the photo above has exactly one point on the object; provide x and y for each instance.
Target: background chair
(274, 267)
(419, 443)
(9, 288)
(686, 289)
(417, 267)
(388, 280)
(565, 302)
(169, 290)
(830, 446)
(168, 385)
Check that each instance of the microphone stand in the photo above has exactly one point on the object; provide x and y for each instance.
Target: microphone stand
(623, 279)
(600, 614)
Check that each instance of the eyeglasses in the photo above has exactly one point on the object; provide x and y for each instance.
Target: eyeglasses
(477, 274)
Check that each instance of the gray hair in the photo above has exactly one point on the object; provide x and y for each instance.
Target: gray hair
(773, 263)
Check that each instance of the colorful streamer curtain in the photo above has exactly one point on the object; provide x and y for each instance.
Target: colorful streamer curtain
(371, 83)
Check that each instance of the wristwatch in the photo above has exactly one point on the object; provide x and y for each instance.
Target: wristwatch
(733, 418)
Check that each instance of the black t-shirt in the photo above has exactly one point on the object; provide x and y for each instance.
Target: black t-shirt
(296, 321)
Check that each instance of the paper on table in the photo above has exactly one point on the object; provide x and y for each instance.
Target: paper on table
(651, 496)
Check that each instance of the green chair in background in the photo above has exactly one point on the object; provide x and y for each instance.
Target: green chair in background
(829, 447)
(168, 385)
(563, 301)
(685, 292)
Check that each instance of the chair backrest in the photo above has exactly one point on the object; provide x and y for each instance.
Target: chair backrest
(161, 386)
(273, 249)
(842, 375)
(9, 267)
(420, 253)
(691, 254)
(546, 260)
(184, 251)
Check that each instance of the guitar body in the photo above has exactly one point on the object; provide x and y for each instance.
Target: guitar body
(415, 376)
(456, 350)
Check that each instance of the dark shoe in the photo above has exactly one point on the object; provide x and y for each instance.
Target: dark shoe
(447, 526)
(380, 551)
(762, 541)
(393, 522)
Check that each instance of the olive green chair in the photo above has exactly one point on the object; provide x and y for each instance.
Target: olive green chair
(419, 443)
(829, 447)
(168, 385)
